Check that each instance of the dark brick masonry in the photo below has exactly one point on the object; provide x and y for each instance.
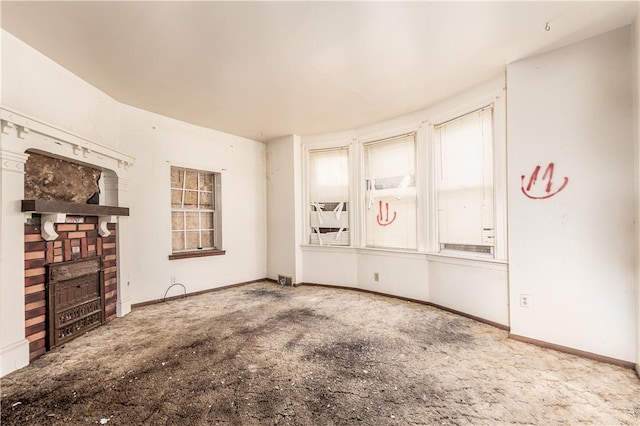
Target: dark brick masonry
(77, 239)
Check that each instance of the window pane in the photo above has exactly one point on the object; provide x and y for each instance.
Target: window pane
(193, 240)
(191, 180)
(207, 239)
(465, 182)
(206, 182)
(391, 193)
(192, 219)
(206, 200)
(176, 198)
(190, 199)
(176, 177)
(206, 220)
(177, 221)
(177, 239)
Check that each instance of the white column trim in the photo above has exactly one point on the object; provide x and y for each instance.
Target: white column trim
(12, 161)
(36, 134)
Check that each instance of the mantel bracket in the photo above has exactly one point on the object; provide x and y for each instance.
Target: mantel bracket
(103, 221)
(47, 226)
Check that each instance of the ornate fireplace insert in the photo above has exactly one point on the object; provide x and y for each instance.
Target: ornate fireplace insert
(75, 298)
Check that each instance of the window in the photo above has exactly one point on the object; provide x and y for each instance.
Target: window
(195, 219)
(464, 183)
(329, 197)
(390, 189)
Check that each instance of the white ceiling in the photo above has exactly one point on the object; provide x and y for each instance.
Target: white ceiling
(267, 69)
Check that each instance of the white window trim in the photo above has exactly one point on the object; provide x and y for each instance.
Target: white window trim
(497, 101)
(307, 148)
(217, 207)
(377, 137)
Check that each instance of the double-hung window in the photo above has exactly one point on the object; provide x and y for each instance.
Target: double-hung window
(464, 183)
(328, 180)
(194, 214)
(390, 193)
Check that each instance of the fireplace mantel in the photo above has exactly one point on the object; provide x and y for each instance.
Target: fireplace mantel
(48, 206)
(56, 211)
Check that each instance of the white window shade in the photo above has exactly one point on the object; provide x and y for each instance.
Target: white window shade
(391, 193)
(465, 182)
(328, 181)
(328, 176)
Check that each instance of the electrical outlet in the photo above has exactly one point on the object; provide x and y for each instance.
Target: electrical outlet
(376, 276)
(173, 279)
(525, 301)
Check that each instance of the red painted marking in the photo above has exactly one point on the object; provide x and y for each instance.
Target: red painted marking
(379, 218)
(548, 176)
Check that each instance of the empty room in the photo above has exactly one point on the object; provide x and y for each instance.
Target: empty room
(319, 213)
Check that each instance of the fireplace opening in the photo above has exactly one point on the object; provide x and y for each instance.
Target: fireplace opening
(76, 304)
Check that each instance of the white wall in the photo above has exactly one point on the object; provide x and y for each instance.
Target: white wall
(36, 86)
(399, 274)
(476, 288)
(573, 253)
(636, 134)
(158, 142)
(284, 256)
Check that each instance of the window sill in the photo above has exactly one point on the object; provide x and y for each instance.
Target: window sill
(198, 253)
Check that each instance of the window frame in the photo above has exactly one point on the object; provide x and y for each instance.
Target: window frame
(380, 138)
(327, 144)
(478, 250)
(496, 100)
(348, 209)
(215, 210)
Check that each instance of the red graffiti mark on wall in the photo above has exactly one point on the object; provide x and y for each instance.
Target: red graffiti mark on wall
(384, 221)
(548, 191)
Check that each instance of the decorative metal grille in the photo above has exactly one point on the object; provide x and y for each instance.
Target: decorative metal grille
(76, 299)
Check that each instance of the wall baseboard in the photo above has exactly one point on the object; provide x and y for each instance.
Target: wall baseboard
(422, 302)
(572, 351)
(196, 293)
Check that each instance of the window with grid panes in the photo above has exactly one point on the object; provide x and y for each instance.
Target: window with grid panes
(193, 213)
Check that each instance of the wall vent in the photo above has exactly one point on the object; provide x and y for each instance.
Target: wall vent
(285, 280)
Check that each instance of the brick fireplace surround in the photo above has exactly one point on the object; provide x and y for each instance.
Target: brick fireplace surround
(78, 238)
(64, 234)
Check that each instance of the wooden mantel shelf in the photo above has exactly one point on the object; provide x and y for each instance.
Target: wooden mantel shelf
(48, 207)
(56, 212)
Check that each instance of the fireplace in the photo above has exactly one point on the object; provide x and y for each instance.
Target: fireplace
(70, 282)
(57, 215)
(71, 262)
(75, 293)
